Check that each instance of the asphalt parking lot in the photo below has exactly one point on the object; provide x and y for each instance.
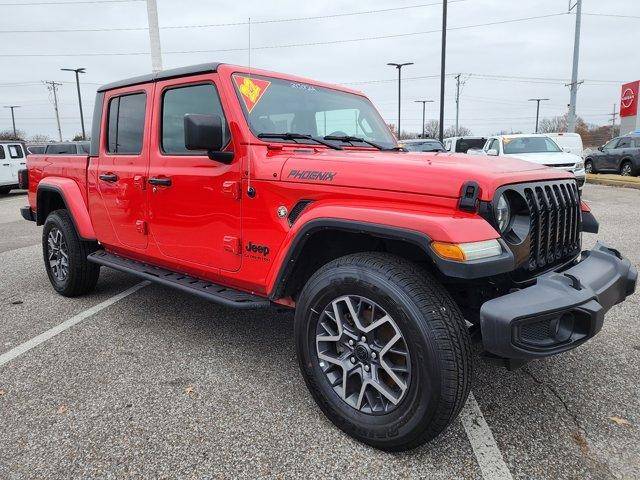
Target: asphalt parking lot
(158, 384)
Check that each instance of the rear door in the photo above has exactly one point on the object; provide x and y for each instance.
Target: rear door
(16, 159)
(195, 216)
(123, 162)
(615, 155)
(5, 167)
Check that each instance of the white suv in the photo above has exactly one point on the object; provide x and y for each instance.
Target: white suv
(12, 159)
(536, 148)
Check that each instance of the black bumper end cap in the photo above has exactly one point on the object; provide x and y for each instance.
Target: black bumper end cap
(27, 214)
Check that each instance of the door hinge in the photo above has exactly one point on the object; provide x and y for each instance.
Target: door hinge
(231, 188)
(141, 226)
(232, 244)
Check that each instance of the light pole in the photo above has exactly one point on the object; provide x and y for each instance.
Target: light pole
(538, 100)
(13, 119)
(77, 72)
(424, 103)
(399, 68)
(571, 119)
(443, 56)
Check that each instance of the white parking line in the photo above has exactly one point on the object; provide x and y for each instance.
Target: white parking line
(484, 445)
(52, 332)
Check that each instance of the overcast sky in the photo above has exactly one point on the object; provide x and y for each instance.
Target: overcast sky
(537, 48)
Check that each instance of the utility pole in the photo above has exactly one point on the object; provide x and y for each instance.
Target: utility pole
(538, 100)
(442, 67)
(424, 103)
(571, 120)
(457, 101)
(78, 71)
(53, 87)
(614, 114)
(399, 68)
(154, 36)
(13, 119)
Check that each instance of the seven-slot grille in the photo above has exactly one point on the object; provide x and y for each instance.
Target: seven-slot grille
(554, 215)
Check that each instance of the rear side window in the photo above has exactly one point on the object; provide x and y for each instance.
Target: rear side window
(176, 103)
(15, 151)
(126, 124)
(625, 142)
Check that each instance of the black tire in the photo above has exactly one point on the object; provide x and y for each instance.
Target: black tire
(588, 166)
(626, 169)
(435, 335)
(81, 276)
(5, 190)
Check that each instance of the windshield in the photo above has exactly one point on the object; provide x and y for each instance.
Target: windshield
(273, 105)
(511, 145)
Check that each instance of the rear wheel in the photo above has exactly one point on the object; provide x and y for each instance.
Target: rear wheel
(588, 166)
(626, 169)
(383, 349)
(65, 256)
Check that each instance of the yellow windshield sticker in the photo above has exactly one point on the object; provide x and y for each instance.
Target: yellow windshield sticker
(251, 90)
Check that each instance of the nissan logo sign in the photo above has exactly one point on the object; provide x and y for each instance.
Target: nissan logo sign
(627, 98)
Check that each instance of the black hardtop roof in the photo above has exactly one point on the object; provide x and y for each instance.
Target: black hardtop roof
(162, 75)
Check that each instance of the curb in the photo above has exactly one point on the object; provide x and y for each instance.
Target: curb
(612, 181)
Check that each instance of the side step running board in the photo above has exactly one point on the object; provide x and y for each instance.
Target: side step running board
(202, 288)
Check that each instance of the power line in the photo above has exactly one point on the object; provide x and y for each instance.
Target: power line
(73, 2)
(290, 45)
(235, 24)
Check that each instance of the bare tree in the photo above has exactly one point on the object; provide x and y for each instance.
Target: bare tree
(8, 135)
(40, 138)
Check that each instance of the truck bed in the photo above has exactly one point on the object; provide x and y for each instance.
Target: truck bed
(66, 166)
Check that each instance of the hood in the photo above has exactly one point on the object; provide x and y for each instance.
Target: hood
(553, 158)
(439, 174)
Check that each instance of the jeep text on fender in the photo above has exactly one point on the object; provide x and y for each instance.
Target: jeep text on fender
(249, 189)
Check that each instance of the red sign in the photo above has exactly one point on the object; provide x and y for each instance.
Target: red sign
(629, 99)
(251, 90)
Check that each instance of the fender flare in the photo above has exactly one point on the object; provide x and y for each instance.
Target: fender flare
(74, 202)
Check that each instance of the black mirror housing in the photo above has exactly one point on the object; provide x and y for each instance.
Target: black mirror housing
(203, 132)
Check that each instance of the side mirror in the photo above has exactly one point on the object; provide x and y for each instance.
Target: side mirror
(492, 152)
(566, 150)
(206, 132)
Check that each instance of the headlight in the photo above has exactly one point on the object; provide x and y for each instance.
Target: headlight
(503, 213)
(464, 252)
(580, 165)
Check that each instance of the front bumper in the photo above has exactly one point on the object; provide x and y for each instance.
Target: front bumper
(561, 311)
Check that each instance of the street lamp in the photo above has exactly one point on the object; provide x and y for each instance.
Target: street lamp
(399, 67)
(538, 100)
(13, 119)
(424, 103)
(78, 71)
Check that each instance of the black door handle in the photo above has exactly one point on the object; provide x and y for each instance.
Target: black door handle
(108, 177)
(162, 181)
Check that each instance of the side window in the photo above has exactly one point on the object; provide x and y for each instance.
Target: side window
(1, 152)
(15, 151)
(126, 124)
(625, 142)
(610, 144)
(493, 144)
(177, 102)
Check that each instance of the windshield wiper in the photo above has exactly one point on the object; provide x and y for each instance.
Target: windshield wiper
(350, 139)
(298, 136)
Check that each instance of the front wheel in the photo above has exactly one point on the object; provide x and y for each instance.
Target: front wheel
(588, 167)
(383, 349)
(65, 256)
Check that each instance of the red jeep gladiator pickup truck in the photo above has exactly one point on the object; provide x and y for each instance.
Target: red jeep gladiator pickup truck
(251, 188)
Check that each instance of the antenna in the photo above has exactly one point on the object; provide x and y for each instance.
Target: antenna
(251, 192)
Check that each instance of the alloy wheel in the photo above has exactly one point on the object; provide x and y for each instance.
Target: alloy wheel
(626, 170)
(588, 167)
(363, 354)
(58, 255)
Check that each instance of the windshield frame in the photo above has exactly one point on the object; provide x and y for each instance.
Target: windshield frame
(393, 142)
